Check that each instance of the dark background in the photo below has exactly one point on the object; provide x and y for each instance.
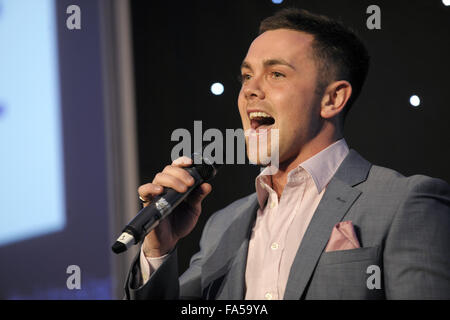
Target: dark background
(182, 47)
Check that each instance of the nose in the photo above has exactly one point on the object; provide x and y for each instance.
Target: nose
(253, 90)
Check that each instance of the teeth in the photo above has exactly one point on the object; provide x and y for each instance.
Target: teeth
(254, 115)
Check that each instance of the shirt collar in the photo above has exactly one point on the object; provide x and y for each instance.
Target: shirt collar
(321, 167)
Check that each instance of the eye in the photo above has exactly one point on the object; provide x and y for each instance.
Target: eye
(276, 75)
(244, 77)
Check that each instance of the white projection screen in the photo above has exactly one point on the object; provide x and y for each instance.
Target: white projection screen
(67, 148)
(32, 170)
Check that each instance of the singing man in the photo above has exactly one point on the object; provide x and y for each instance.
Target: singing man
(328, 224)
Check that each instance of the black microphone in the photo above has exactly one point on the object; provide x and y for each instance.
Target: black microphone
(202, 170)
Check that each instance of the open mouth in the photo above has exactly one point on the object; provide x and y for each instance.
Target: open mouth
(260, 120)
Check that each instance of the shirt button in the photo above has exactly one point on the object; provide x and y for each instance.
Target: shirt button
(268, 296)
(274, 246)
(272, 204)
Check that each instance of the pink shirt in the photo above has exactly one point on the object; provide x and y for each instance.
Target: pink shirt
(280, 223)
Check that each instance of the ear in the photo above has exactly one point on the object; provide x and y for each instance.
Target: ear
(335, 98)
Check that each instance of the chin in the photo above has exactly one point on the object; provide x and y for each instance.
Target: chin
(265, 156)
(263, 160)
(255, 159)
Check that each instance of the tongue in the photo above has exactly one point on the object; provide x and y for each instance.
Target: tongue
(261, 122)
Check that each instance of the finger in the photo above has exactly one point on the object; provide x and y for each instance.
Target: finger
(180, 174)
(200, 193)
(168, 180)
(182, 162)
(149, 190)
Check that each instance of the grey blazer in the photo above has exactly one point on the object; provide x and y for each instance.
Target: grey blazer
(402, 224)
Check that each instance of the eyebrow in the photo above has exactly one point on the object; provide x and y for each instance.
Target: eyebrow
(268, 63)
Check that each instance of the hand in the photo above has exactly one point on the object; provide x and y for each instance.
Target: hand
(183, 219)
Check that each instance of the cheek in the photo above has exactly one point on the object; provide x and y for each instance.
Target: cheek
(241, 107)
(296, 103)
(288, 108)
(294, 113)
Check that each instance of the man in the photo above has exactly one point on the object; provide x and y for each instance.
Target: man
(328, 224)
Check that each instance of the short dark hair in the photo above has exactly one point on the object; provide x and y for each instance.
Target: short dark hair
(338, 52)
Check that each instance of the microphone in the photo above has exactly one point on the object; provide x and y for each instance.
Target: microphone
(162, 205)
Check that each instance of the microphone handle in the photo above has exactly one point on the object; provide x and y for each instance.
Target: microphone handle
(164, 204)
(149, 217)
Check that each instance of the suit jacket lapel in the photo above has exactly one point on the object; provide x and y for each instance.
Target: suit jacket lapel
(337, 200)
(233, 285)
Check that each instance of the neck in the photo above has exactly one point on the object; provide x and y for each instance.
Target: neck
(309, 149)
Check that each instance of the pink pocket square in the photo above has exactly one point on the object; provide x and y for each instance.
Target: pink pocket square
(342, 237)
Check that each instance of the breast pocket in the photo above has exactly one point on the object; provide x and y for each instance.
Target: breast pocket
(352, 255)
(344, 274)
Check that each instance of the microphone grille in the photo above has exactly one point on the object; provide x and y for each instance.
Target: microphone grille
(205, 167)
(206, 171)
